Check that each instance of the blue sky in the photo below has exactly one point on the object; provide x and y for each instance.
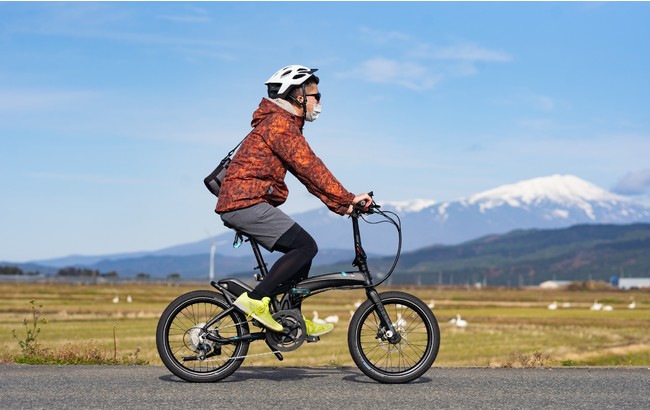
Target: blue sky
(111, 114)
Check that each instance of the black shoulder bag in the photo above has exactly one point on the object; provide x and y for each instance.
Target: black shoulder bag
(215, 179)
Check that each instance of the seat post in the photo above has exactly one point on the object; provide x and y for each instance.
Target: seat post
(261, 265)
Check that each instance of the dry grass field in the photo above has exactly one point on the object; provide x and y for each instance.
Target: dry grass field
(506, 326)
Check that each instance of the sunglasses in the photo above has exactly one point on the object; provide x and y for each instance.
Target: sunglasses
(316, 96)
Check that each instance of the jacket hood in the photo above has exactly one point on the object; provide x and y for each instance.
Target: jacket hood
(269, 107)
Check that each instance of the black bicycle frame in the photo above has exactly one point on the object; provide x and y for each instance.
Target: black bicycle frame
(231, 288)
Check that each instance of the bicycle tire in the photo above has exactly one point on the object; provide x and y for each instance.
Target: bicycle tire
(177, 337)
(405, 361)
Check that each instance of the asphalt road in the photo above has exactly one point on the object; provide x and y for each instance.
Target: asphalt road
(149, 387)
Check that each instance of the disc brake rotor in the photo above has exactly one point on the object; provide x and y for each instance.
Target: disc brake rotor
(294, 331)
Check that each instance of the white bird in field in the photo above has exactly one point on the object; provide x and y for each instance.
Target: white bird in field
(317, 320)
(431, 304)
(460, 322)
(129, 299)
(116, 299)
(333, 319)
(552, 306)
(632, 304)
(608, 308)
(596, 306)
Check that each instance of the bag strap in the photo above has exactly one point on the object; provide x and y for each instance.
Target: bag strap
(236, 146)
(242, 141)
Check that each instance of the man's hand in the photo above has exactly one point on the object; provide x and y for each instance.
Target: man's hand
(359, 198)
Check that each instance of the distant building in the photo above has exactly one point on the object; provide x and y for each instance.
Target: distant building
(633, 283)
(555, 284)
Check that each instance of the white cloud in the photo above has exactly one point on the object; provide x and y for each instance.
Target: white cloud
(189, 14)
(403, 73)
(383, 37)
(543, 102)
(634, 183)
(105, 22)
(95, 179)
(29, 100)
(420, 65)
(461, 52)
(534, 102)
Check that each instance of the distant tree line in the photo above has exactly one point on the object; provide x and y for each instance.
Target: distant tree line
(14, 270)
(85, 273)
(72, 272)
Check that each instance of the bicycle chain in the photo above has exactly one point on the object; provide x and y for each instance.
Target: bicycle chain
(236, 357)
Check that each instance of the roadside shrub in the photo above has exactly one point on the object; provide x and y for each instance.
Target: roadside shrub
(524, 360)
(29, 344)
(76, 353)
(70, 353)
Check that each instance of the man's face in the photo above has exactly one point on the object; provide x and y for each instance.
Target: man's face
(313, 96)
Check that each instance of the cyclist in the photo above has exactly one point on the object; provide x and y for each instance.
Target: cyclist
(254, 187)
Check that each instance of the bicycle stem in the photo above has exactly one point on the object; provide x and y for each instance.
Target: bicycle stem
(360, 259)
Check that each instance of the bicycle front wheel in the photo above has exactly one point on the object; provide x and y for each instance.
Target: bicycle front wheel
(399, 362)
(182, 343)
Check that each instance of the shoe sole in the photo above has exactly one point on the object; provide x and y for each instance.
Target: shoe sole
(254, 316)
(321, 333)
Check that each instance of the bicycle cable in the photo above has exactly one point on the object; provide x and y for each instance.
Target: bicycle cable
(398, 227)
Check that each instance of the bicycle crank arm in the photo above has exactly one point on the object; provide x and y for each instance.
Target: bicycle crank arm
(275, 351)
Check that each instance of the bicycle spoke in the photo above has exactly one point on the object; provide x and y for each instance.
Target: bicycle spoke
(189, 319)
(401, 356)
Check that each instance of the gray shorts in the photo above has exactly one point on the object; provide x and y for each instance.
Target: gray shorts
(262, 221)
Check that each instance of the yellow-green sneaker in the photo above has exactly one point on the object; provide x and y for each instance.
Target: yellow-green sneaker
(259, 310)
(317, 329)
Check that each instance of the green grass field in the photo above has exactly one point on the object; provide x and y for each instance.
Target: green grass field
(506, 326)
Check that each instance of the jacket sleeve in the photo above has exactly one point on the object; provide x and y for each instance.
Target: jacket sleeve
(292, 148)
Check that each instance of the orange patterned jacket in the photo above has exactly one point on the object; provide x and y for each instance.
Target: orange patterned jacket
(276, 145)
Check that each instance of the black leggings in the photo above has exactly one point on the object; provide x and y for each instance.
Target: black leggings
(299, 249)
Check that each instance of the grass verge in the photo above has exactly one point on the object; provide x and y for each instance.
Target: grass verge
(32, 352)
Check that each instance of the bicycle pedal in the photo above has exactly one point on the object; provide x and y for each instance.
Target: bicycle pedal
(312, 339)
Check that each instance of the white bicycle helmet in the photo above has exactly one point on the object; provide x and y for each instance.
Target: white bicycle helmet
(284, 80)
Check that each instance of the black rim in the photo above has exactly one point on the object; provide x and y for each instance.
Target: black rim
(187, 319)
(401, 358)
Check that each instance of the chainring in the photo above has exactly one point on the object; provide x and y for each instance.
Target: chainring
(294, 333)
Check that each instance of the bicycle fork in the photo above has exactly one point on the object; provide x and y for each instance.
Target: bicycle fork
(388, 331)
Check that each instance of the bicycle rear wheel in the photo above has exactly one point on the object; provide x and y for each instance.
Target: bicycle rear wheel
(181, 342)
(399, 362)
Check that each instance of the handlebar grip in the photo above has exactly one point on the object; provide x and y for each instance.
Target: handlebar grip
(362, 203)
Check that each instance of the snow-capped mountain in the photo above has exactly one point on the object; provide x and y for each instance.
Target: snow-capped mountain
(564, 192)
(548, 202)
(556, 201)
